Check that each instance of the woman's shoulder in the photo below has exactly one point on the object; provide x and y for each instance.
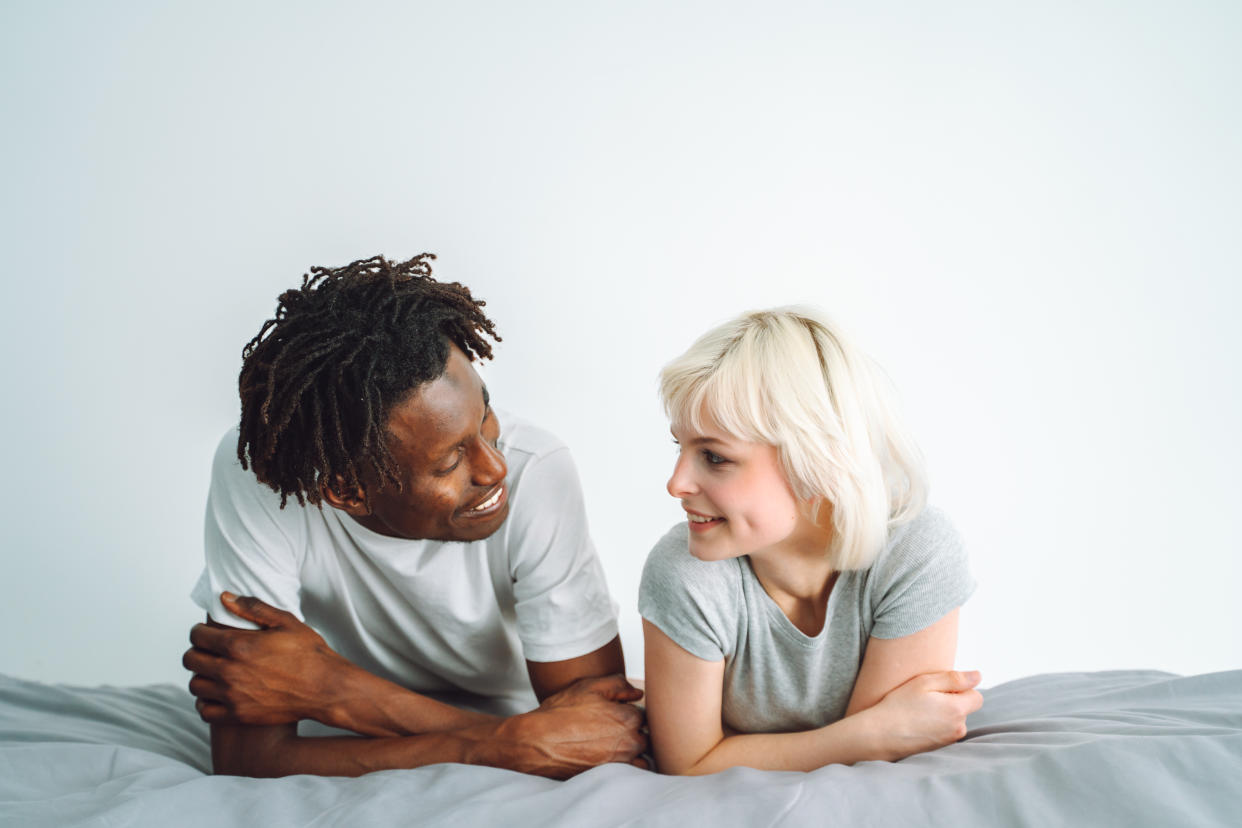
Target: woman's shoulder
(921, 574)
(672, 575)
(670, 558)
(930, 533)
(696, 603)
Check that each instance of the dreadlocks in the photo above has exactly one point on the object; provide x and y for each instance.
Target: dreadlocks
(319, 380)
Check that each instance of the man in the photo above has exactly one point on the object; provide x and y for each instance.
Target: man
(441, 551)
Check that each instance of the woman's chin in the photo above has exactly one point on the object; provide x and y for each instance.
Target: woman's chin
(707, 551)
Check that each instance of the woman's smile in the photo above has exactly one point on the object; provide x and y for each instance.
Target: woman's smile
(700, 522)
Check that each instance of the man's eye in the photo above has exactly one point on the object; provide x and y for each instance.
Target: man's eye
(456, 462)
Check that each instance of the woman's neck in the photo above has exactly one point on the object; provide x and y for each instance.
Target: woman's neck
(797, 567)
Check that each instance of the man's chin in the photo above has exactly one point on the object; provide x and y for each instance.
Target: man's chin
(468, 530)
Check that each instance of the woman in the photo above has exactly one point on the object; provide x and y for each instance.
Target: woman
(806, 612)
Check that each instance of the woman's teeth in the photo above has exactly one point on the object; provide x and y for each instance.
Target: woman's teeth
(700, 518)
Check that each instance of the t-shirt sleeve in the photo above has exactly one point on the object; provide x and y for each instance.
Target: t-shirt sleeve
(920, 578)
(689, 599)
(248, 542)
(560, 594)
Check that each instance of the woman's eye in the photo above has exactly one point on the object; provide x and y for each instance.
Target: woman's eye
(714, 458)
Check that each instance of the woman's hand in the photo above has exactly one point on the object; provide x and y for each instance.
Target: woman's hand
(927, 712)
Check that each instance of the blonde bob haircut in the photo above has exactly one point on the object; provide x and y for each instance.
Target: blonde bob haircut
(787, 378)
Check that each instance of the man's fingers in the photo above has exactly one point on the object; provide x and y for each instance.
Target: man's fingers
(616, 688)
(629, 715)
(206, 689)
(212, 712)
(216, 640)
(253, 609)
(201, 662)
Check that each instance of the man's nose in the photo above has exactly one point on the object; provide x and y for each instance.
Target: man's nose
(489, 466)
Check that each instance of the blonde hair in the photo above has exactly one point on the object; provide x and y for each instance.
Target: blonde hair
(785, 377)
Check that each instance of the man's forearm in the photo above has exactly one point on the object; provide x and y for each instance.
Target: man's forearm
(372, 706)
(278, 750)
(585, 725)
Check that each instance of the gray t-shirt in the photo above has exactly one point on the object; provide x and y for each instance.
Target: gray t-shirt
(778, 679)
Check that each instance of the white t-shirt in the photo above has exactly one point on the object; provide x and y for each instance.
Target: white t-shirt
(433, 616)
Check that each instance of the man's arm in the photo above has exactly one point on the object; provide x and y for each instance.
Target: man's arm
(548, 677)
(253, 686)
(573, 731)
(286, 672)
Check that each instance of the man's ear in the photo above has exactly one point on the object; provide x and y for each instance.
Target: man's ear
(349, 499)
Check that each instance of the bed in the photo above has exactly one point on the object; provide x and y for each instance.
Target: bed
(1109, 748)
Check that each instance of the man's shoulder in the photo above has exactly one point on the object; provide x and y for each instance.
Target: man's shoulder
(236, 494)
(226, 467)
(521, 440)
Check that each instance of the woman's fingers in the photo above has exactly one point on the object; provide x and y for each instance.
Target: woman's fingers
(952, 681)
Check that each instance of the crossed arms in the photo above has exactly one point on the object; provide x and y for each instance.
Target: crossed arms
(904, 701)
(253, 686)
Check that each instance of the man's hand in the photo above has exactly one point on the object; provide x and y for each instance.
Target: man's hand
(279, 674)
(588, 723)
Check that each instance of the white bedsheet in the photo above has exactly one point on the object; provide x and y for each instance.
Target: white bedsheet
(1115, 748)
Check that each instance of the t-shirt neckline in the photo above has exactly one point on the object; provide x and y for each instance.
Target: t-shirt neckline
(777, 615)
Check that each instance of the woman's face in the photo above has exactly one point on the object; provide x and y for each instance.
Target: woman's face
(737, 501)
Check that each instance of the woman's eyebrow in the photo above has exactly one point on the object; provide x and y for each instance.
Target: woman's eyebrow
(706, 441)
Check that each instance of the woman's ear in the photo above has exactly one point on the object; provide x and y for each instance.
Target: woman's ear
(349, 499)
(819, 510)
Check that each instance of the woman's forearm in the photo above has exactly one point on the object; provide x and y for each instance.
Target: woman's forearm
(849, 740)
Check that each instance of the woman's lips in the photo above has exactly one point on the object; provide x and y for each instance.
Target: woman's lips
(700, 522)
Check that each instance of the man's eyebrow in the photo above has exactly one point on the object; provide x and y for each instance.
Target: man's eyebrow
(487, 398)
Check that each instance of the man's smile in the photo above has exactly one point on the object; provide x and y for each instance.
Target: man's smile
(494, 502)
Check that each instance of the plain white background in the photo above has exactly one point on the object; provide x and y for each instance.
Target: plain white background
(1028, 212)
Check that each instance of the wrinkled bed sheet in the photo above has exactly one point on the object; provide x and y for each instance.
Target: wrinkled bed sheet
(1112, 748)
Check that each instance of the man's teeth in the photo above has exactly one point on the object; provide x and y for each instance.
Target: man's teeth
(489, 503)
(700, 518)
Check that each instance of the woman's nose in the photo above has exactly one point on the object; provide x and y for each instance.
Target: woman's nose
(681, 484)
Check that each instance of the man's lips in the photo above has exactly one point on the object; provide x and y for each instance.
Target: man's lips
(492, 503)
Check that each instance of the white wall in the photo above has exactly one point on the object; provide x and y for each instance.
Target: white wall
(1028, 212)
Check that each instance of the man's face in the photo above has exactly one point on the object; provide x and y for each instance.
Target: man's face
(453, 476)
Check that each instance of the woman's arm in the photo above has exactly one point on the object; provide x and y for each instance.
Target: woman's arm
(891, 662)
(684, 696)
